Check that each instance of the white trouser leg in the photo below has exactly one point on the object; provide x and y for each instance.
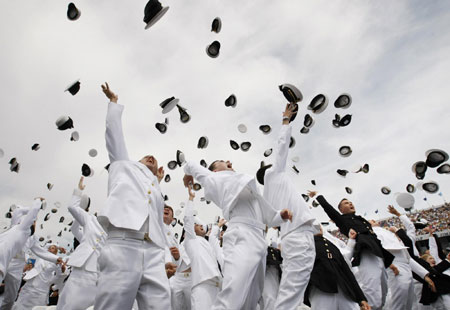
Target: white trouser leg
(328, 301)
(372, 278)
(204, 294)
(13, 278)
(298, 253)
(401, 287)
(30, 297)
(180, 286)
(130, 269)
(244, 254)
(79, 291)
(271, 286)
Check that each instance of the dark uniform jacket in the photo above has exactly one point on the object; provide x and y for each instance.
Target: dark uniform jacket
(366, 239)
(331, 271)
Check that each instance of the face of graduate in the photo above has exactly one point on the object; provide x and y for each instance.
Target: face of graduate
(167, 216)
(346, 207)
(199, 231)
(151, 163)
(53, 249)
(221, 165)
(431, 261)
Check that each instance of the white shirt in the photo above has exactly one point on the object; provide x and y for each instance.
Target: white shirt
(93, 238)
(224, 189)
(203, 258)
(134, 195)
(13, 240)
(280, 190)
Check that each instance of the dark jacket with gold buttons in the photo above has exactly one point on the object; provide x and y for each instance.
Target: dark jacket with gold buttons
(331, 271)
(366, 239)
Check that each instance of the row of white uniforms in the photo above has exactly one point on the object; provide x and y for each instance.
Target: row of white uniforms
(400, 287)
(203, 254)
(132, 261)
(297, 236)
(244, 246)
(81, 287)
(14, 270)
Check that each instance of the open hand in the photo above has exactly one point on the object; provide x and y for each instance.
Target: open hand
(111, 96)
(393, 211)
(190, 192)
(288, 112)
(311, 194)
(352, 234)
(188, 179)
(160, 173)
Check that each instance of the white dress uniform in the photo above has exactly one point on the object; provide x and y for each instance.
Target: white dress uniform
(297, 237)
(13, 240)
(181, 281)
(271, 279)
(35, 291)
(401, 288)
(131, 264)
(14, 271)
(206, 276)
(244, 247)
(80, 289)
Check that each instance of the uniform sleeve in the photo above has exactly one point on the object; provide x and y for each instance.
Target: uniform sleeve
(409, 226)
(77, 230)
(282, 148)
(189, 231)
(115, 141)
(332, 213)
(215, 244)
(418, 269)
(434, 249)
(78, 214)
(42, 253)
(28, 219)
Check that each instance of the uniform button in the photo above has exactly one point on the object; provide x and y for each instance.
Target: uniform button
(149, 192)
(93, 247)
(153, 184)
(327, 250)
(168, 233)
(326, 244)
(98, 240)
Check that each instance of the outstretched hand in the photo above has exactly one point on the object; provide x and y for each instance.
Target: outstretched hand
(190, 192)
(312, 193)
(160, 173)
(288, 112)
(393, 211)
(111, 96)
(188, 179)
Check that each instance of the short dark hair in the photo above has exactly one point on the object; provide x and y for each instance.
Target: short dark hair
(213, 165)
(340, 202)
(169, 207)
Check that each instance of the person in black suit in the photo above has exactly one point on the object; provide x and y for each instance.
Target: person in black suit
(332, 285)
(369, 255)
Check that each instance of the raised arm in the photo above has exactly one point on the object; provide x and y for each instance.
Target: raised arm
(409, 226)
(43, 253)
(115, 142)
(332, 213)
(17, 214)
(78, 214)
(189, 230)
(214, 242)
(28, 219)
(283, 140)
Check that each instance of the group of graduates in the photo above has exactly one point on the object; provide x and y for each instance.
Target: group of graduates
(129, 257)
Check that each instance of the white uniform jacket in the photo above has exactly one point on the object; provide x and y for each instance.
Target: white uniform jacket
(13, 240)
(223, 188)
(280, 190)
(203, 258)
(133, 190)
(215, 244)
(93, 239)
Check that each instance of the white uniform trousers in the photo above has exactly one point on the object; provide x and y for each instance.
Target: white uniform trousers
(372, 279)
(31, 296)
(401, 287)
(328, 301)
(180, 287)
(79, 291)
(271, 287)
(131, 269)
(245, 253)
(13, 278)
(204, 294)
(298, 252)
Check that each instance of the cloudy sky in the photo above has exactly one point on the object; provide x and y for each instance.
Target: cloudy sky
(391, 56)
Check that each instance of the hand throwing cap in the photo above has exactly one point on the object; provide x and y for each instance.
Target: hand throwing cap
(213, 49)
(153, 12)
(168, 104)
(72, 12)
(64, 122)
(73, 88)
(344, 101)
